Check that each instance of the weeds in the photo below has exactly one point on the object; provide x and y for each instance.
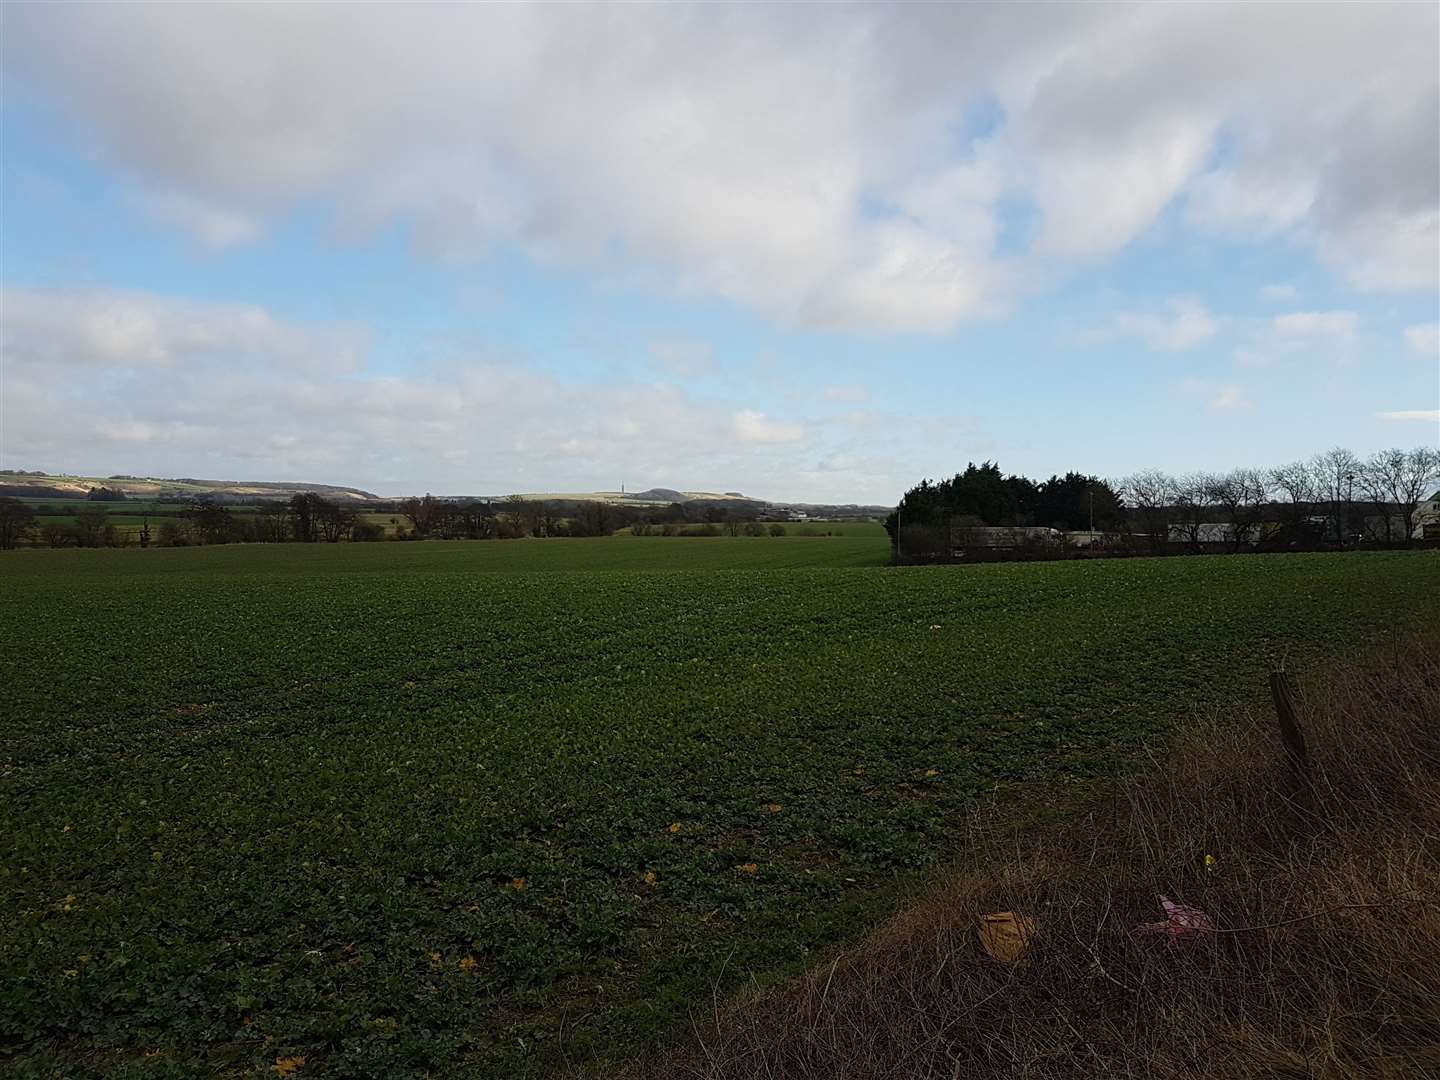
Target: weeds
(1325, 961)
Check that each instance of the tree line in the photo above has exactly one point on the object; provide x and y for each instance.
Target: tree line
(311, 518)
(1332, 499)
(982, 495)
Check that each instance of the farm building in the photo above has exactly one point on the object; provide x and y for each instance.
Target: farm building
(1426, 520)
(1088, 538)
(1385, 528)
(1211, 533)
(986, 536)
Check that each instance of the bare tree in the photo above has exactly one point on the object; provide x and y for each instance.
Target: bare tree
(1334, 474)
(1153, 495)
(305, 511)
(1395, 482)
(89, 526)
(524, 516)
(1373, 478)
(1295, 482)
(475, 521)
(1192, 506)
(1418, 477)
(16, 519)
(1293, 487)
(1241, 495)
(335, 521)
(272, 522)
(428, 515)
(211, 522)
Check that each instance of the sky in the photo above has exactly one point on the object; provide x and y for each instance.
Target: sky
(802, 251)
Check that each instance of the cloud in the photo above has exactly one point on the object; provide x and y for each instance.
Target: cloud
(826, 171)
(216, 227)
(687, 359)
(1187, 324)
(1432, 415)
(1219, 397)
(1424, 338)
(119, 328)
(1333, 335)
(1232, 201)
(1280, 294)
(140, 383)
(1316, 324)
(756, 427)
(1230, 396)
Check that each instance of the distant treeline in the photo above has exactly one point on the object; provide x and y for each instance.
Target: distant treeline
(1334, 499)
(311, 518)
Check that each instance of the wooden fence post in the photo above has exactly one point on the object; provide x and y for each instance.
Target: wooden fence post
(1292, 738)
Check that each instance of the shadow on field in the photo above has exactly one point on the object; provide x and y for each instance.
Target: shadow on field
(1323, 885)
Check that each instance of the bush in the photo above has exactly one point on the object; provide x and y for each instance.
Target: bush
(777, 530)
(367, 532)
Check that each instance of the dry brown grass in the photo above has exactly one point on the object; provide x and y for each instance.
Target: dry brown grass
(1326, 963)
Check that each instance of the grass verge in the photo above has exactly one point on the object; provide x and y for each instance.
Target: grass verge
(1322, 962)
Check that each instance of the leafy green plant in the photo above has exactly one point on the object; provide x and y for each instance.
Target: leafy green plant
(410, 809)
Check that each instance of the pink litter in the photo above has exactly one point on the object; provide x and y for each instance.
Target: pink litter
(1183, 924)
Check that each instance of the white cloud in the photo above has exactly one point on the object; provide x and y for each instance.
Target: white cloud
(755, 427)
(1432, 415)
(214, 226)
(1219, 397)
(1187, 323)
(1095, 203)
(112, 327)
(823, 170)
(1316, 324)
(1304, 335)
(178, 389)
(1230, 200)
(1230, 396)
(1280, 294)
(1424, 338)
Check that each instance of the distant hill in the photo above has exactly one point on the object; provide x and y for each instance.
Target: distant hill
(652, 496)
(40, 486)
(668, 495)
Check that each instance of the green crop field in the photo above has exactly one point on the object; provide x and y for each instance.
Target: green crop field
(422, 809)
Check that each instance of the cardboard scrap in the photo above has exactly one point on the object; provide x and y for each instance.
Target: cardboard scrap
(1006, 936)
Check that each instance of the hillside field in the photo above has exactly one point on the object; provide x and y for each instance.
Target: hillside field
(435, 809)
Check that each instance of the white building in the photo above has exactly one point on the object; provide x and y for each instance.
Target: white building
(1426, 520)
(1001, 536)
